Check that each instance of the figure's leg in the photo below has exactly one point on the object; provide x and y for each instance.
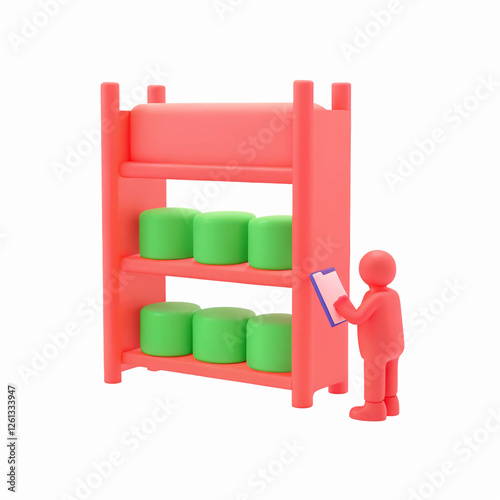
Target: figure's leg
(391, 388)
(374, 407)
(374, 381)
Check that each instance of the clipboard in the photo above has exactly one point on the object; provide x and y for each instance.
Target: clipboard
(329, 288)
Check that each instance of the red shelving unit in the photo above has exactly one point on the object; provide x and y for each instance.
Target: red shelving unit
(299, 143)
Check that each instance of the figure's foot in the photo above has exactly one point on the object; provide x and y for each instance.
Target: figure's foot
(392, 405)
(372, 412)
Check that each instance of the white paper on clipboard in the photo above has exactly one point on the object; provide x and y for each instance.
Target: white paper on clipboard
(329, 288)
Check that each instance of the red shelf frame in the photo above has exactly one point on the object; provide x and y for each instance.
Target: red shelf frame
(238, 372)
(158, 141)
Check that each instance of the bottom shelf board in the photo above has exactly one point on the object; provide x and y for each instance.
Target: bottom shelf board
(238, 372)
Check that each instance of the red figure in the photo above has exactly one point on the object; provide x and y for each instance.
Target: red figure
(380, 336)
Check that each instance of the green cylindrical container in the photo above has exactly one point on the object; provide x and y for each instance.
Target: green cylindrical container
(219, 334)
(221, 237)
(166, 233)
(270, 242)
(166, 328)
(269, 343)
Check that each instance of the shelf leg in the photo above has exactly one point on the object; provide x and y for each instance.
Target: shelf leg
(338, 388)
(302, 399)
(112, 374)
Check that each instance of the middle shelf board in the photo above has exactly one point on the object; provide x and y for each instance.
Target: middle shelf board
(239, 173)
(238, 372)
(189, 268)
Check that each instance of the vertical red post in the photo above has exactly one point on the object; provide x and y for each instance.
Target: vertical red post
(341, 96)
(321, 226)
(341, 101)
(156, 94)
(303, 118)
(114, 146)
(122, 202)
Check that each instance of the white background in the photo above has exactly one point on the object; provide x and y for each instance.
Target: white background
(440, 223)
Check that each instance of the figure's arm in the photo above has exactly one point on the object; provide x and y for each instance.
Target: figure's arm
(344, 307)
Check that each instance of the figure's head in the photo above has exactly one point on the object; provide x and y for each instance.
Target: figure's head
(377, 268)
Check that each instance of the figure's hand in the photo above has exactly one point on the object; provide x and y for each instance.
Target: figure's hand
(340, 302)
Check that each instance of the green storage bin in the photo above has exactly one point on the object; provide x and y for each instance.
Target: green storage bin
(269, 343)
(166, 328)
(221, 237)
(166, 233)
(219, 334)
(270, 242)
